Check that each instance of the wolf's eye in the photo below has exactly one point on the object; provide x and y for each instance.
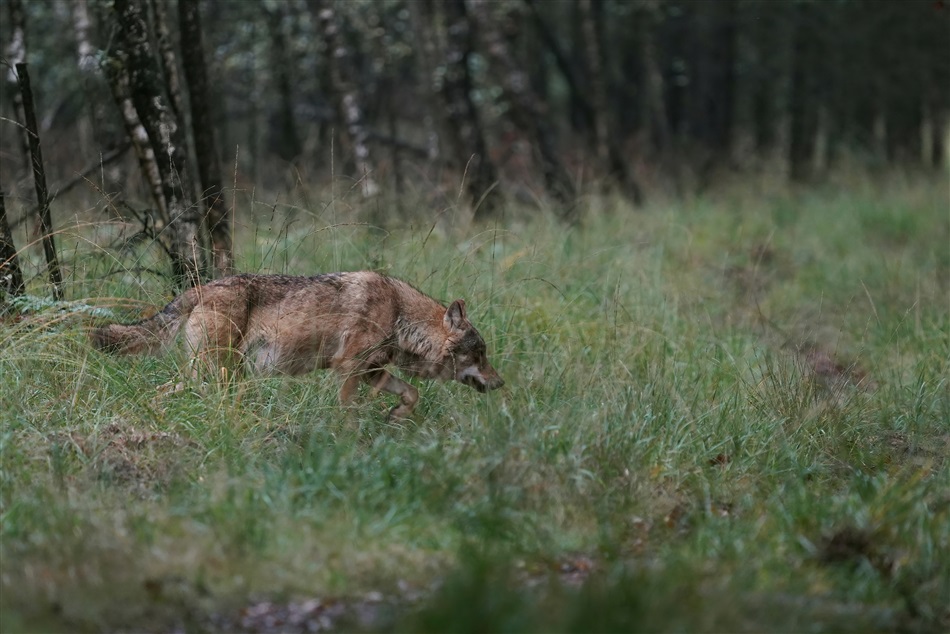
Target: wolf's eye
(471, 343)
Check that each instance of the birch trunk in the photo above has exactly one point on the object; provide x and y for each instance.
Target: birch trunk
(168, 142)
(347, 99)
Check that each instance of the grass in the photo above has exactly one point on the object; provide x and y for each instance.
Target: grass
(726, 414)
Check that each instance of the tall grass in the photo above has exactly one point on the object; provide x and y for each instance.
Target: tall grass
(724, 414)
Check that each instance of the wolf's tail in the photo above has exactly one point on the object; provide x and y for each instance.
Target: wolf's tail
(144, 337)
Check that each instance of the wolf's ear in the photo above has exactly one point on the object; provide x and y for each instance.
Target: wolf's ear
(455, 318)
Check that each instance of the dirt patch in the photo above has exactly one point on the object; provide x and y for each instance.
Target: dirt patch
(849, 546)
(123, 455)
(375, 610)
(311, 615)
(833, 372)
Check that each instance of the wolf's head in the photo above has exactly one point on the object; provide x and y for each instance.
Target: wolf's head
(468, 356)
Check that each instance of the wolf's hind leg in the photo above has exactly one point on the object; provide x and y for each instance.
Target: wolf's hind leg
(213, 339)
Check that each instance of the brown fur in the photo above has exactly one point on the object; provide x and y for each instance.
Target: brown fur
(355, 323)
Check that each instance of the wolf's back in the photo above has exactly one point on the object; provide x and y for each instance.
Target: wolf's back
(144, 337)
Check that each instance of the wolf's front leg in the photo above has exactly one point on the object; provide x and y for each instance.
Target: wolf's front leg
(348, 388)
(383, 380)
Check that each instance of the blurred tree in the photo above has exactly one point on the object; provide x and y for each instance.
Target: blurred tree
(47, 234)
(167, 139)
(217, 217)
(643, 94)
(16, 54)
(607, 150)
(347, 99)
(116, 71)
(455, 46)
(498, 24)
(11, 279)
(284, 137)
(166, 54)
(580, 107)
(803, 103)
(653, 101)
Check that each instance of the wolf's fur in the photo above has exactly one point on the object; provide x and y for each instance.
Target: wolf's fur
(355, 323)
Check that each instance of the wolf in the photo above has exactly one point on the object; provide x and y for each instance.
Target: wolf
(355, 323)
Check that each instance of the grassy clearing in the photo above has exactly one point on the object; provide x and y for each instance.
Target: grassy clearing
(725, 414)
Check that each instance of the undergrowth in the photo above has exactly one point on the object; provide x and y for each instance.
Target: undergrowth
(724, 414)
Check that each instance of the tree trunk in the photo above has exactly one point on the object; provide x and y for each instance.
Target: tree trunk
(723, 97)
(598, 85)
(39, 182)
(118, 78)
(283, 127)
(526, 110)
(168, 143)
(802, 111)
(217, 218)
(169, 65)
(86, 61)
(462, 125)
(11, 278)
(606, 147)
(580, 104)
(763, 84)
(653, 102)
(428, 54)
(347, 99)
(16, 54)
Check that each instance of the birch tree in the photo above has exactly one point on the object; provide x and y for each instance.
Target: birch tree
(347, 98)
(167, 139)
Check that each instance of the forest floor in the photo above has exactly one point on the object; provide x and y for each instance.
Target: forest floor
(722, 414)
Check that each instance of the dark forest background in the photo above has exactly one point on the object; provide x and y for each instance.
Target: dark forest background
(531, 102)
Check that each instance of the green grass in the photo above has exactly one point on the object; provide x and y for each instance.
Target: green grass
(726, 414)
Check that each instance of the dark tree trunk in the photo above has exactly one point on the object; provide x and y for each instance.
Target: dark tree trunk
(217, 219)
(11, 279)
(675, 33)
(346, 98)
(653, 101)
(39, 182)
(598, 86)
(803, 111)
(283, 127)
(463, 127)
(16, 54)
(606, 147)
(424, 23)
(723, 97)
(528, 113)
(166, 50)
(168, 142)
(763, 84)
(579, 103)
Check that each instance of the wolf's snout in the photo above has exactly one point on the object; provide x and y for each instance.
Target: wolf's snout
(481, 379)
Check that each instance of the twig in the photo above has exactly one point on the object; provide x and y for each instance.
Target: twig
(80, 176)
